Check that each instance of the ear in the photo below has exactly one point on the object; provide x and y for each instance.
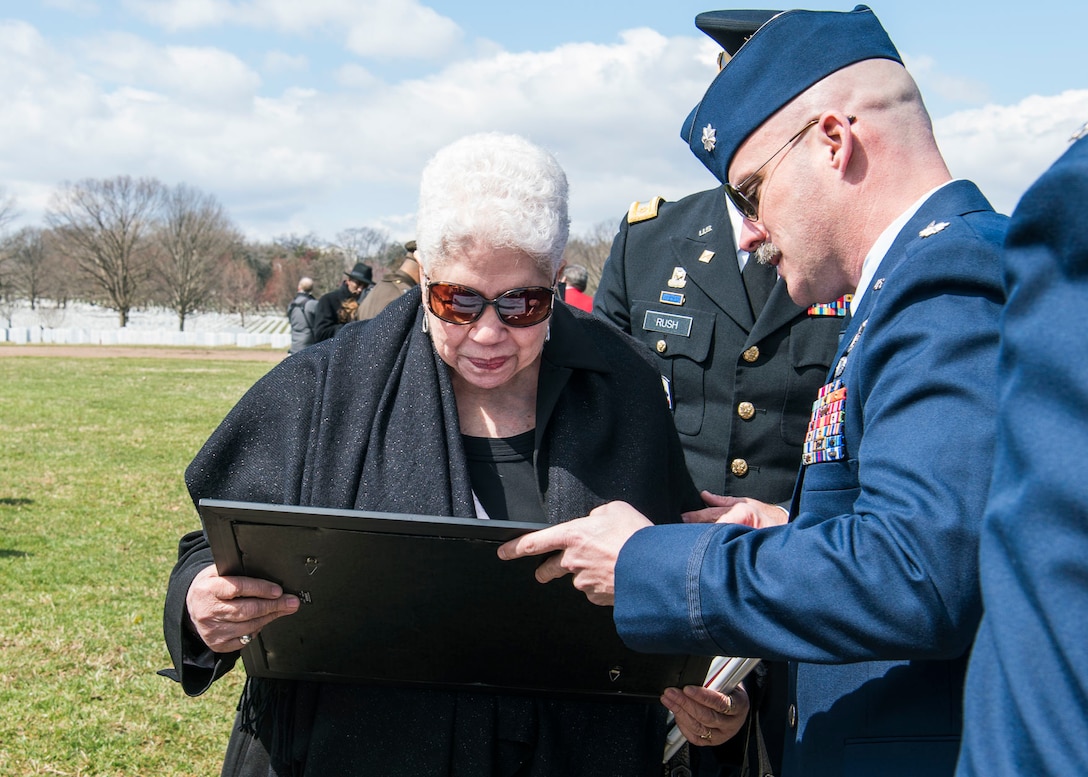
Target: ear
(837, 135)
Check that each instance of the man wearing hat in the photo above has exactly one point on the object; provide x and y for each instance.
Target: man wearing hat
(870, 592)
(392, 285)
(741, 361)
(338, 306)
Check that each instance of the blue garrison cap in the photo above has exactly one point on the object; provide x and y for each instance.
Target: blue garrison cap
(781, 60)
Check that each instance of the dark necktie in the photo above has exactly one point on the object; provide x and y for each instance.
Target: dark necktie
(758, 280)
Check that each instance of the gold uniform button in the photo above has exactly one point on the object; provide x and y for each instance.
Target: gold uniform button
(751, 354)
(739, 467)
(661, 346)
(791, 716)
(746, 410)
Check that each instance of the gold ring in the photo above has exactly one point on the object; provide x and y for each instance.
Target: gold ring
(707, 735)
(245, 639)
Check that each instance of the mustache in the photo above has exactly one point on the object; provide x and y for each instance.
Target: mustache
(767, 253)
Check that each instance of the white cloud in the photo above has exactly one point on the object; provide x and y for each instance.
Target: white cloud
(305, 159)
(198, 74)
(397, 29)
(81, 7)
(1004, 148)
(277, 62)
(175, 15)
(935, 83)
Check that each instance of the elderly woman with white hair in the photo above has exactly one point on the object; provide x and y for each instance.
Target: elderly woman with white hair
(477, 396)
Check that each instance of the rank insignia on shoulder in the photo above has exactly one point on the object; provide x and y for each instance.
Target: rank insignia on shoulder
(644, 211)
(933, 228)
(838, 308)
(679, 278)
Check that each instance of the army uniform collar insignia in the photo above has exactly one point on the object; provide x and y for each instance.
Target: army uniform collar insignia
(933, 228)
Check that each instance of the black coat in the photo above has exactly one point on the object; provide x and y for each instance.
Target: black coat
(335, 309)
(777, 362)
(329, 428)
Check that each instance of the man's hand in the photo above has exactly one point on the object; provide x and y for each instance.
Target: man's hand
(737, 509)
(588, 548)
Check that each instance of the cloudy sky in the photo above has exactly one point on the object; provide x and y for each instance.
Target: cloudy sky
(317, 115)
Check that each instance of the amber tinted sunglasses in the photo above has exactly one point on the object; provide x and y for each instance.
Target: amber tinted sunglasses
(457, 304)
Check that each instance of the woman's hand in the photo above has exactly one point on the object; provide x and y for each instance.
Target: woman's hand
(707, 717)
(223, 610)
(737, 509)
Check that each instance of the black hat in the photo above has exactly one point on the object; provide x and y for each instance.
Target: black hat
(732, 28)
(362, 273)
(410, 246)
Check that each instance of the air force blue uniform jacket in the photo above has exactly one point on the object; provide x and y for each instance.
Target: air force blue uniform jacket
(871, 591)
(1026, 709)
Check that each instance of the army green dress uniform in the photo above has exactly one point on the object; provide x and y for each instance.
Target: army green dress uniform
(740, 361)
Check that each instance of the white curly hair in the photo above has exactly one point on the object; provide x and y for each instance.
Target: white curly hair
(493, 190)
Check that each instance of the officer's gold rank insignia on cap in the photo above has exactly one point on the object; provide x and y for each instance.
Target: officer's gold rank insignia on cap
(933, 229)
(643, 211)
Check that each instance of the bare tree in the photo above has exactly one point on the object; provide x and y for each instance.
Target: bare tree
(359, 244)
(193, 238)
(105, 224)
(29, 263)
(8, 287)
(238, 288)
(591, 250)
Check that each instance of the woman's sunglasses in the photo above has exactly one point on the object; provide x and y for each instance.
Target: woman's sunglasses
(457, 304)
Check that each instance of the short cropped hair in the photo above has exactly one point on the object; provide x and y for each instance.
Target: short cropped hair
(576, 275)
(493, 190)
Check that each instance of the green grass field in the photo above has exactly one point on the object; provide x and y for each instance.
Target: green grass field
(92, 503)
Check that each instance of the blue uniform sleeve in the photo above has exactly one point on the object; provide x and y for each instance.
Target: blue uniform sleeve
(881, 563)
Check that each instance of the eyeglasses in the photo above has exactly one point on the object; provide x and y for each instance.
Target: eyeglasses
(457, 304)
(749, 205)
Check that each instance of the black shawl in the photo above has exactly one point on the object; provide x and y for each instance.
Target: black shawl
(368, 420)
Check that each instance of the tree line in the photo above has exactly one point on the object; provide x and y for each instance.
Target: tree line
(131, 243)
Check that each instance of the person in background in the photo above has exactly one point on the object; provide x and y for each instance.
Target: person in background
(870, 591)
(392, 285)
(300, 315)
(474, 395)
(1024, 711)
(338, 306)
(573, 279)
